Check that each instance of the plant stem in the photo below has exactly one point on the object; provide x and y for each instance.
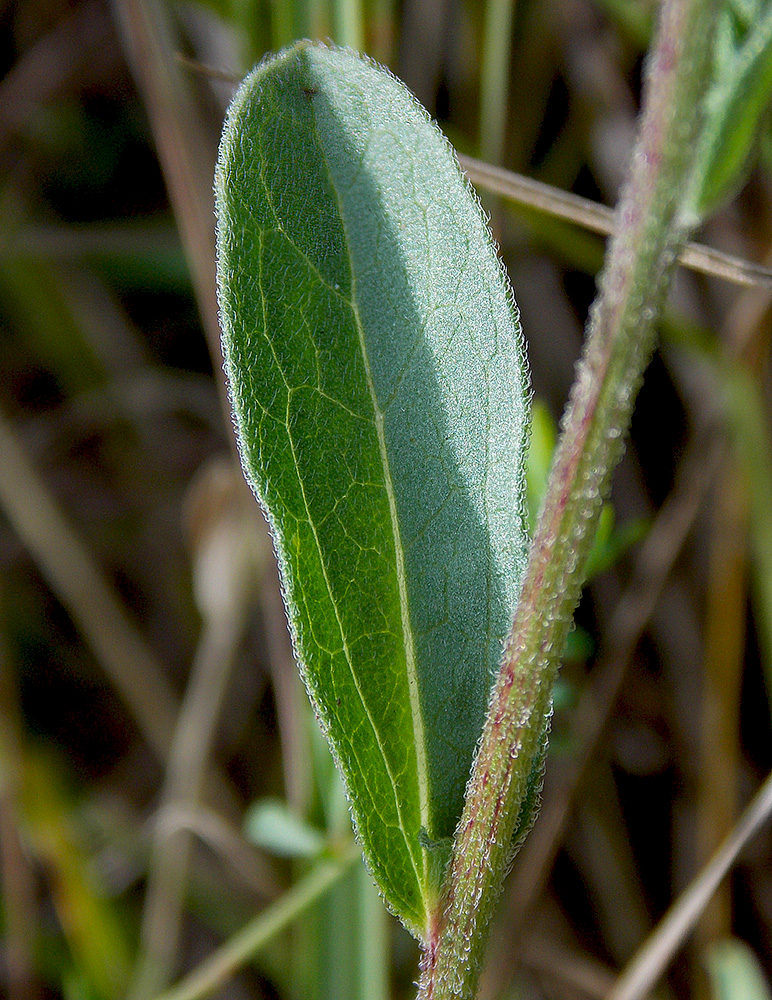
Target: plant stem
(621, 336)
(650, 961)
(499, 17)
(69, 567)
(540, 197)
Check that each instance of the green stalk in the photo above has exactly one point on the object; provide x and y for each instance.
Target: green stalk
(348, 24)
(746, 415)
(494, 83)
(621, 337)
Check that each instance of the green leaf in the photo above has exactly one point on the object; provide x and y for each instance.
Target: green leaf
(735, 972)
(735, 105)
(271, 825)
(747, 418)
(541, 451)
(610, 542)
(380, 391)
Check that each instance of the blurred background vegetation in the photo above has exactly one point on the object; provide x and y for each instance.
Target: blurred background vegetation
(162, 781)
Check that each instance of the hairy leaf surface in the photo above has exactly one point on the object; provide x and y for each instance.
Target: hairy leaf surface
(380, 390)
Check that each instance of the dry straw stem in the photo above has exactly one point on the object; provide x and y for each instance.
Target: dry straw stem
(69, 567)
(600, 219)
(186, 769)
(620, 341)
(226, 562)
(185, 151)
(652, 959)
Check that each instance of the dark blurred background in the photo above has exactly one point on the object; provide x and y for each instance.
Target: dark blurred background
(161, 777)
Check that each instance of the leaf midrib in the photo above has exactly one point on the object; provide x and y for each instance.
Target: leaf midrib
(417, 720)
(407, 632)
(346, 650)
(319, 548)
(410, 662)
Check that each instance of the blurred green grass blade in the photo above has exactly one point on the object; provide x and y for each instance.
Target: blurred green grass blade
(91, 925)
(351, 957)
(302, 19)
(32, 297)
(282, 25)
(735, 972)
(374, 944)
(346, 943)
(611, 541)
(348, 23)
(274, 919)
(252, 20)
(634, 18)
(337, 942)
(381, 30)
(380, 393)
(749, 422)
(325, 940)
(494, 78)
(734, 108)
(360, 940)
(544, 436)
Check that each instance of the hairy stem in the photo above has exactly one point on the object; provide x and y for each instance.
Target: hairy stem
(621, 336)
